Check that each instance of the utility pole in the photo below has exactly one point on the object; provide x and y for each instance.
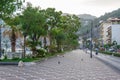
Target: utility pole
(91, 39)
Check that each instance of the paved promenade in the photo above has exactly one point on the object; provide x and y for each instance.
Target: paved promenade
(75, 65)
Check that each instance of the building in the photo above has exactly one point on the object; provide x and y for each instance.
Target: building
(109, 31)
(113, 33)
(104, 32)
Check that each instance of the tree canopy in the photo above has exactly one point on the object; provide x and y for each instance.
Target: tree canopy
(60, 30)
(7, 7)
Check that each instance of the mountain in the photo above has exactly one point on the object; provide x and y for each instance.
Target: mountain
(87, 17)
(115, 14)
(85, 22)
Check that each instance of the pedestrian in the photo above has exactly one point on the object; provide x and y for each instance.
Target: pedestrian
(96, 49)
(58, 62)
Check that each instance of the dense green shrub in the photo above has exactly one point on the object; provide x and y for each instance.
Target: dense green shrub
(117, 54)
(41, 53)
(118, 46)
(15, 59)
(110, 53)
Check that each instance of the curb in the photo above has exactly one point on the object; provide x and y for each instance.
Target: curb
(8, 63)
(112, 64)
(16, 63)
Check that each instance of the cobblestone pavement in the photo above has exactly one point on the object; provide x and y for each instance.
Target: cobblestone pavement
(74, 65)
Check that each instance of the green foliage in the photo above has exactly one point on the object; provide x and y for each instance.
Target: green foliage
(36, 23)
(53, 48)
(109, 53)
(114, 43)
(118, 46)
(5, 57)
(107, 45)
(17, 60)
(70, 25)
(41, 52)
(115, 13)
(14, 59)
(117, 54)
(32, 25)
(7, 7)
(14, 32)
(58, 34)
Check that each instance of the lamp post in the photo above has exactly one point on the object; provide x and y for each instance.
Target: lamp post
(0, 37)
(91, 39)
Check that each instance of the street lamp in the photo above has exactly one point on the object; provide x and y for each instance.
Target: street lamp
(0, 37)
(91, 39)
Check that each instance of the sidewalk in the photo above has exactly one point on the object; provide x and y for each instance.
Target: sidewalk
(108, 59)
(74, 65)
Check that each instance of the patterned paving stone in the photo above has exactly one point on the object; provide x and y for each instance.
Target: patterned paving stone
(75, 65)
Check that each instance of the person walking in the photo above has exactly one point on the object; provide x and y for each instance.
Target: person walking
(96, 49)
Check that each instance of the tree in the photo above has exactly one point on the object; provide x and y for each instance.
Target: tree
(7, 7)
(53, 18)
(45, 29)
(70, 24)
(114, 43)
(59, 37)
(13, 33)
(36, 23)
(32, 23)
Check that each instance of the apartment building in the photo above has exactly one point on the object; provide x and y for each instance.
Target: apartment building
(114, 33)
(104, 32)
(110, 30)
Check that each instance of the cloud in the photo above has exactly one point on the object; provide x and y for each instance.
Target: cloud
(103, 3)
(94, 7)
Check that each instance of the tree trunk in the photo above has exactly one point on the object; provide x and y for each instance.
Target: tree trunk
(58, 46)
(13, 41)
(50, 39)
(24, 52)
(34, 52)
(45, 42)
(34, 49)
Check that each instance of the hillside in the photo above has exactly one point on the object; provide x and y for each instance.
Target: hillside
(85, 22)
(86, 16)
(115, 13)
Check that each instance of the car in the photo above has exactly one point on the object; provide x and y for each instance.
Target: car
(111, 50)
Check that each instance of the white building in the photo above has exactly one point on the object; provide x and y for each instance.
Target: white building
(115, 33)
(110, 30)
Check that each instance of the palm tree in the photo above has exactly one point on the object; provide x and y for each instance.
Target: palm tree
(13, 34)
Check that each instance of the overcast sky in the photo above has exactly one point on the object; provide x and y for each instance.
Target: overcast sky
(93, 7)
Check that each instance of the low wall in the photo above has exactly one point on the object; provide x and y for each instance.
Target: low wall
(11, 55)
